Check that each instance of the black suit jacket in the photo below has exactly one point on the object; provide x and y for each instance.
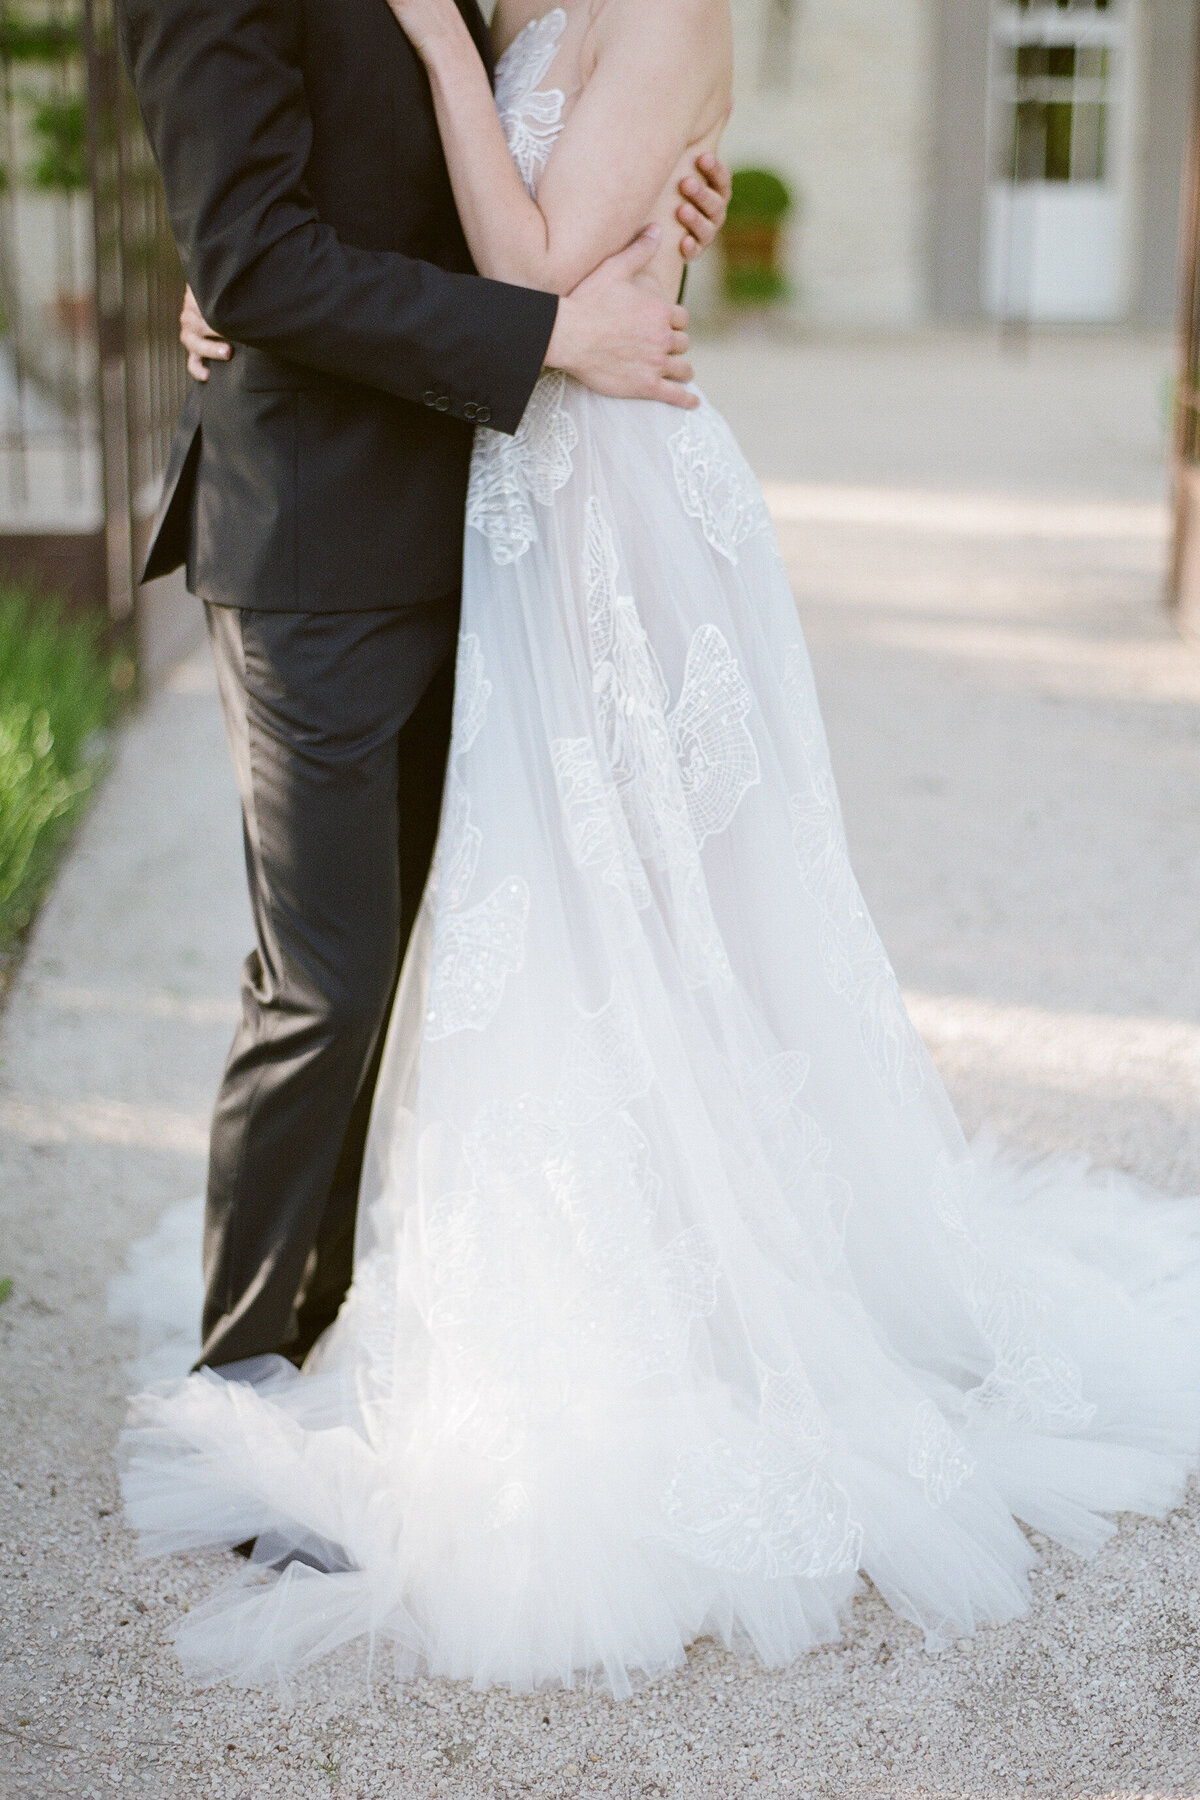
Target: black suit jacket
(325, 467)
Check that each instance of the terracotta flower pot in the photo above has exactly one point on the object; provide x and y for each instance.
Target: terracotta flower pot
(753, 260)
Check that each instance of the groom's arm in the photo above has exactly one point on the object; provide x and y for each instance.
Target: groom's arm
(222, 95)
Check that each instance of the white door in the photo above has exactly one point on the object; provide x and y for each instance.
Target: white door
(1057, 200)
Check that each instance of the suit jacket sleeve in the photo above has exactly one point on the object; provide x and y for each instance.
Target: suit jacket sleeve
(221, 91)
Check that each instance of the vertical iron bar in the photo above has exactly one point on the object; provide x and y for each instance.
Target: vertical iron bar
(1185, 435)
(104, 149)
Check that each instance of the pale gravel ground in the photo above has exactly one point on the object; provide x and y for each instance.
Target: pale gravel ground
(1018, 742)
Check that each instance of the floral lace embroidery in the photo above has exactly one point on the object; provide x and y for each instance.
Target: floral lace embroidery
(595, 827)
(548, 1280)
(716, 485)
(531, 119)
(853, 957)
(1032, 1384)
(509, 473)
(477, 948)
(800, 693)
(472, 691)
(375, 1313)
(666, 779)
(475, 952)
(937, 1457)
(767, 1508)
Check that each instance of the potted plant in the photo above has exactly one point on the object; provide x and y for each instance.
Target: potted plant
(752, 239)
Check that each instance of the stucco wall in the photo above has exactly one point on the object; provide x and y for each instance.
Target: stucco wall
(850, 130)
(1167, 52)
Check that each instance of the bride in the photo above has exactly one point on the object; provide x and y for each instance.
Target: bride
(681, 1305)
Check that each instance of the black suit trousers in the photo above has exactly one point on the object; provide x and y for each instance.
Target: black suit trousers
(339, 725)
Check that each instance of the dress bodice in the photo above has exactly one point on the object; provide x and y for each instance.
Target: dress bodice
(532, 116)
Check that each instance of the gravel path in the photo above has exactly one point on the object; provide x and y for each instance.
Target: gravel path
(1018, 740)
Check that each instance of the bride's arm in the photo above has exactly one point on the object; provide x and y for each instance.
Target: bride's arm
(625, 136)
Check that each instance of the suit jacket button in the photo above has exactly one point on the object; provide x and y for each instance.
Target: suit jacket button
(442, 403)
(483, 414)
(470, 410)
(429, 398)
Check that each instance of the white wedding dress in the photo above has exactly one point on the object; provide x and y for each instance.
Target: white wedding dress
(680, 1302)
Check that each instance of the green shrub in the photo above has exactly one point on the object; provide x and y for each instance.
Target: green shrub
(37, 40)
(759, 197)
(61, 130)
(756, 286)
(55, 699)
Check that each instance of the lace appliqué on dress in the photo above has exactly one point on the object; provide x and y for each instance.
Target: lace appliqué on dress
(476, 948)
(549, 1279)
(531, 119)
(508, 474)
(768, 1508)
(665, 778)
(1032, 1384)
(937, 1457)
(596, 829)
(716, 485)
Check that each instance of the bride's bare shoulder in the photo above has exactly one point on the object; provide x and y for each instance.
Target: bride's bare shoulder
(689, 24)
(688, 44)
(694, 36)
(679, 21)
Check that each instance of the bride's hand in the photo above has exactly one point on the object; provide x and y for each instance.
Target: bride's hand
(704, 205)
(426, 22)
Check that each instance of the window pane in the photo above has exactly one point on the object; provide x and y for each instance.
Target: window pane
(1088, 142)
(1026, 160)
(1058, 141)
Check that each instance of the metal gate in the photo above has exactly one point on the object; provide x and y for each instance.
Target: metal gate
(139, 286)
(90, 369)
(1185, 559)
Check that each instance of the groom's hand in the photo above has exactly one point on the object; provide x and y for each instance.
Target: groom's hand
(199, 339)
(619, 337)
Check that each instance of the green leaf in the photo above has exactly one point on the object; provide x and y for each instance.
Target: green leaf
(759, 194)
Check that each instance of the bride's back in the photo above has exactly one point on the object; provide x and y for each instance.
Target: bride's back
(651, 58)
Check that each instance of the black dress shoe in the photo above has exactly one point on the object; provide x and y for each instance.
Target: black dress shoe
(332, 1565)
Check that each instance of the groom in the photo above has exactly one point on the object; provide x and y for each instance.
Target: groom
(315, 493)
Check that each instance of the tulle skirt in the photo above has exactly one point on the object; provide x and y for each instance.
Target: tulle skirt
(680, 1302)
